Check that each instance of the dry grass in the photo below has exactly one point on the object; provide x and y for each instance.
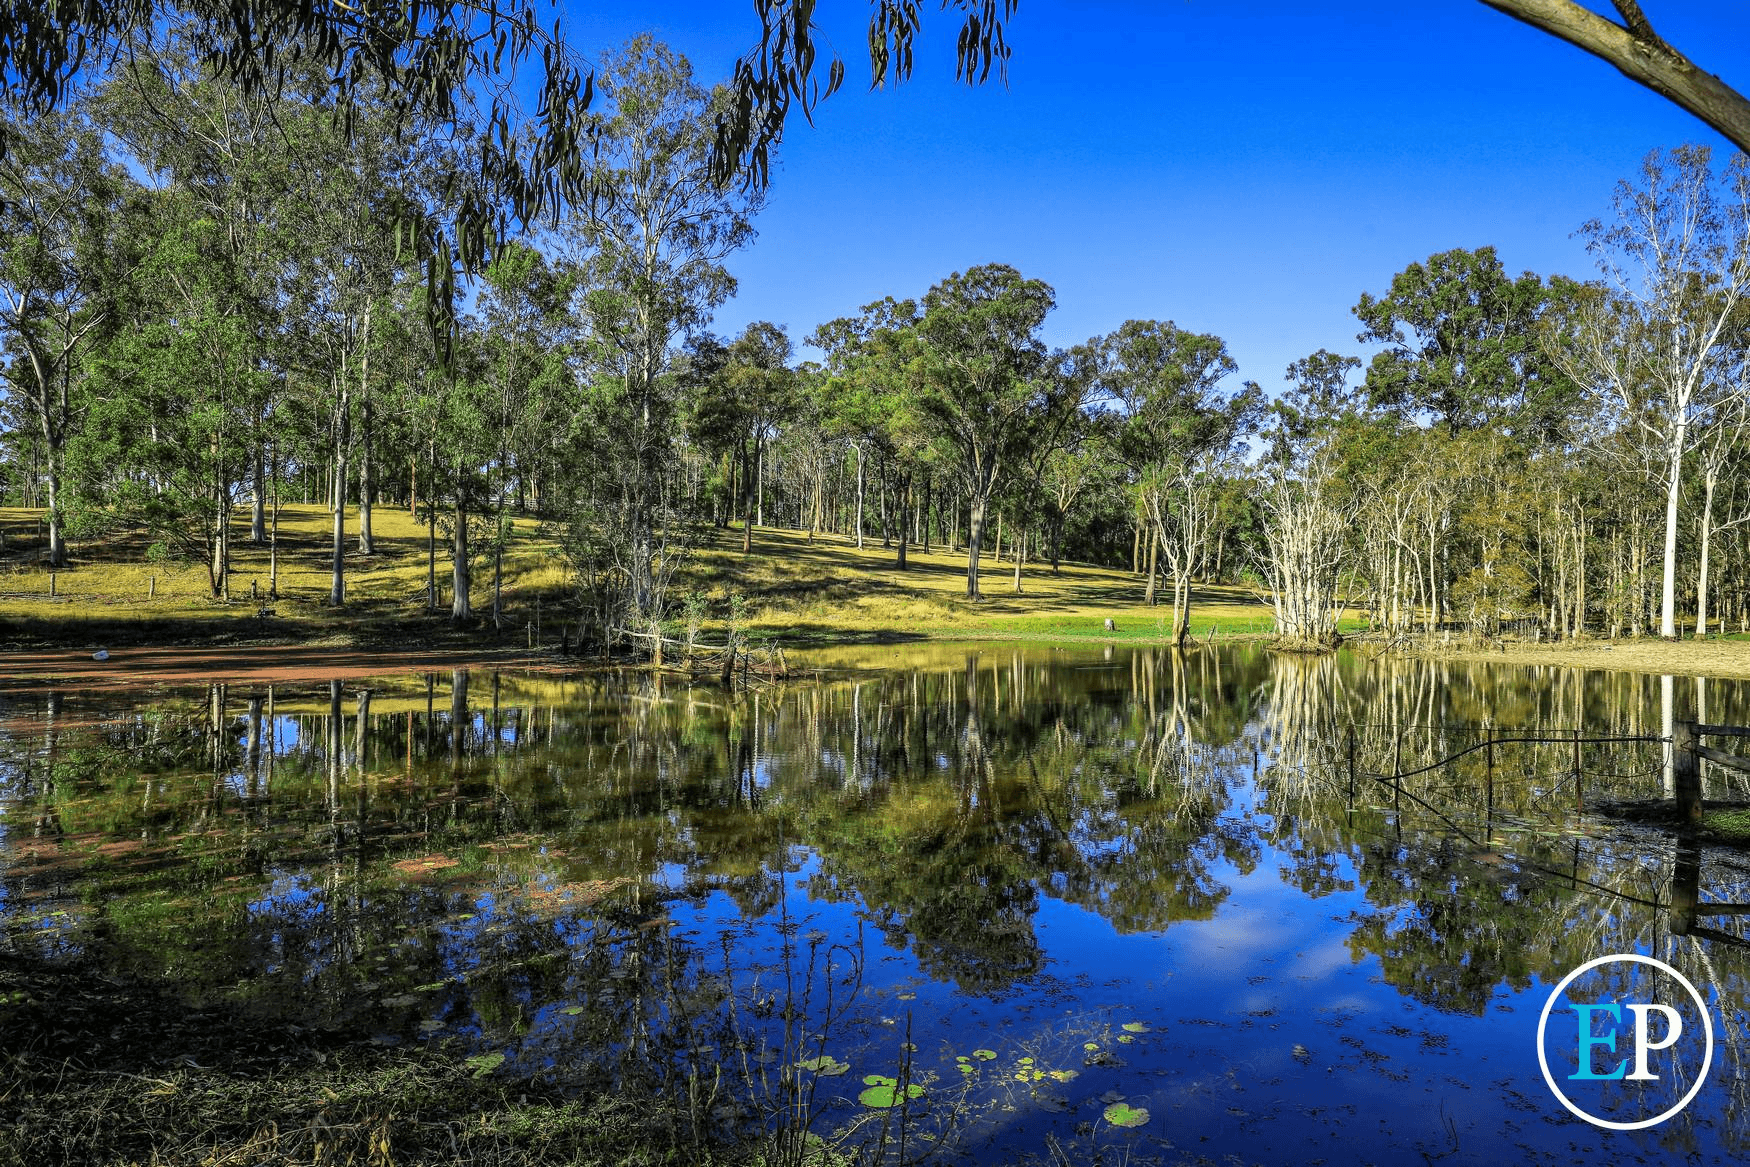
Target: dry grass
(806, 594)
(117, 589)
(829, 592)
(819, 593)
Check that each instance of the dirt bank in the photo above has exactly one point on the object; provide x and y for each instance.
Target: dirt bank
(1694, 658)
(252, 663)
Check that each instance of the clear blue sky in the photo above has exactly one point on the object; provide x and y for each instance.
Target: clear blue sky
(1242, 168)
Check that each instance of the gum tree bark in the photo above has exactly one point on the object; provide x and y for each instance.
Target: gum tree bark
(1642, 56)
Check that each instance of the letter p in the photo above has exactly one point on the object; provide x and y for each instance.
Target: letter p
(1673, 1030)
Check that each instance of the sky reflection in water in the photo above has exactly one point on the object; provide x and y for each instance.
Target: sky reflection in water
(1015, 852)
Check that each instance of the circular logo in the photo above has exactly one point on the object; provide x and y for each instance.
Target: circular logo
(1585, 1051)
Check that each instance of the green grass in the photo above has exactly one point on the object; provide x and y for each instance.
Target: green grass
(1732, 826)
(826, 592)
(119, 589)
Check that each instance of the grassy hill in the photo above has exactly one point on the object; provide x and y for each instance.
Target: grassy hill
(820, 593)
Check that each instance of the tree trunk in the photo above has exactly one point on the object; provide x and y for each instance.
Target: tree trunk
(367, 484)
(258, 501)
(1020, 554)
(924, 513)
(746, 500)
(459, 607)
(342, 438)
(273, 535)
(1154, 553)
(498, 570)
(431, 595)
(1668, 587)
(974, 541)
(904, 526)
(1710, 481)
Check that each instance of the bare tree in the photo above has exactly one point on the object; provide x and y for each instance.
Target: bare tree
(1655, 338)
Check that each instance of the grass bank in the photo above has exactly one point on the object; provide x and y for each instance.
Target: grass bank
(827, 592)
(824, 593)
(102, 1073)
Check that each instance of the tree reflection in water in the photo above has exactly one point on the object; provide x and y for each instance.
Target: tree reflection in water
(655, 876)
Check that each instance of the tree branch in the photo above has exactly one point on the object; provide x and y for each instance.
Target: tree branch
(1641, 56)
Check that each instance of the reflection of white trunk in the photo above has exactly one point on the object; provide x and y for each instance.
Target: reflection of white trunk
(1667, 691)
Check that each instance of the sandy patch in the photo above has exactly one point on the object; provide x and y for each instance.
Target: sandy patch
(1692, 658)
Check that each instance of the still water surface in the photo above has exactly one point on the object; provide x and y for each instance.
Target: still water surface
(1036, 883)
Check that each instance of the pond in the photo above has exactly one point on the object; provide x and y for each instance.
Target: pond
(977, 902)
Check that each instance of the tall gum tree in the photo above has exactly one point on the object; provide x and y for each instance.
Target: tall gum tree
(1181, 431)
(651, 258)
(1654, 340)
(63, 254)
(985, 380)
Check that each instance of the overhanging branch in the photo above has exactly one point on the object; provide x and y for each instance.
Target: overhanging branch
(1642, 56)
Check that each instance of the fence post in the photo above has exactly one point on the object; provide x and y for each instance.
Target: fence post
(1579, 793)
(1489, 788)
(1686, 770)
(1397, 770)
(1351, 767)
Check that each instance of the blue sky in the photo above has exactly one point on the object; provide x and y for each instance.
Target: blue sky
(1241, 168)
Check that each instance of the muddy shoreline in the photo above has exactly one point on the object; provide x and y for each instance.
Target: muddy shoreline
(132, 666)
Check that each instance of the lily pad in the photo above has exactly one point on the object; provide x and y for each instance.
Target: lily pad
(1135, 1027)
(985, 1055)
(1124, 1114)
(572, 1010)
(826, 1066)
(884, 1092)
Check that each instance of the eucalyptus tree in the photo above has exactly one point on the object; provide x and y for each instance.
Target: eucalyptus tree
(1309, 506)
(986, 381)
(355, 192)
(1182, 432)
(650, 258)
(524, 333)
(65, 251)
(739, 408)
(1654, 341)
(1460, 346)
(875, 376)
(1083, 465)
(175, 428)
(223, 152)
(869, 360)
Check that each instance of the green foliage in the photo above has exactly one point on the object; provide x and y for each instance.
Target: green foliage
(1122, 1114)
(1461, 339)
(884, 1092)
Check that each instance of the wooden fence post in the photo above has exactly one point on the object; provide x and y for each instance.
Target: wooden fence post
(1686, 768)
(1351, 767)
(1579, 793)
(1397, 770)
(1489, 788)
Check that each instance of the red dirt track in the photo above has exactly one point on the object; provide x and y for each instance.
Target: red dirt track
(126, 667)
